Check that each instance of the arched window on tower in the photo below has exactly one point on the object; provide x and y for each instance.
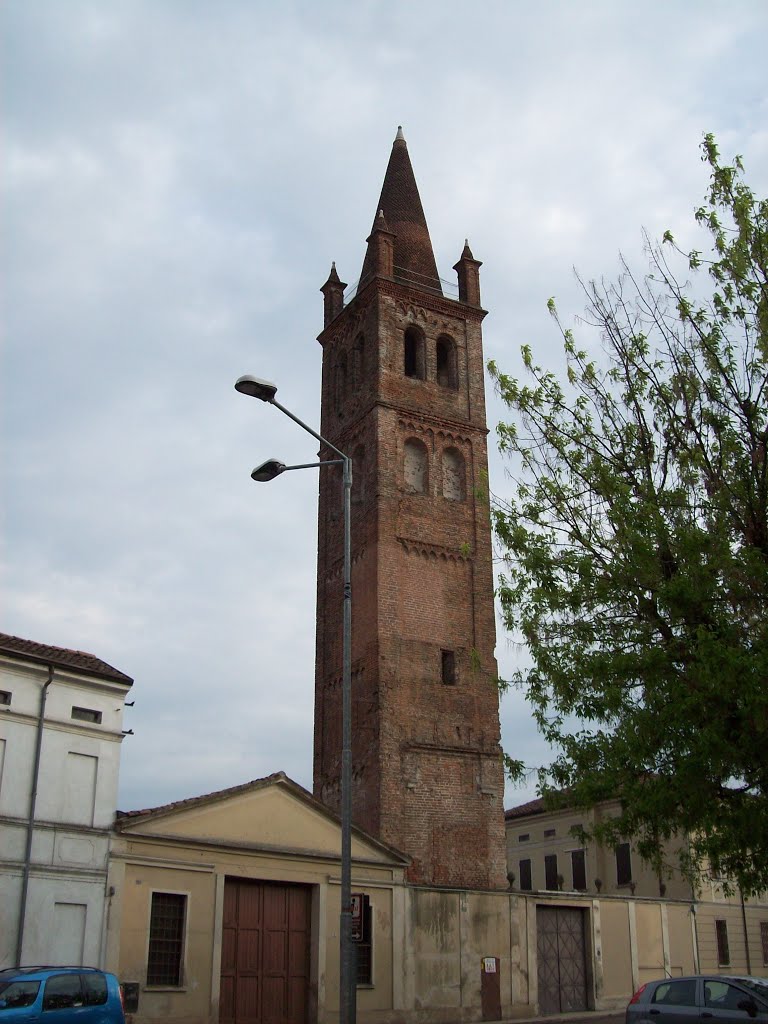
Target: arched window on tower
(341, 382)
(358, 361)
(454, 475)
(415, 471)
(414, 361)
(447, 376)
(358, 475)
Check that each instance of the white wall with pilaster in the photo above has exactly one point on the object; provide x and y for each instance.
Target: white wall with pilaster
(76, 794)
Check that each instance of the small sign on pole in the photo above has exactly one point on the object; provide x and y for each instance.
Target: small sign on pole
(357, 917)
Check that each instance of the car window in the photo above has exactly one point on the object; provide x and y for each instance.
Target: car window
(62, 991)
(720, 995)
(17, 994)
(757, 985)
(676, 993)
(95, 988)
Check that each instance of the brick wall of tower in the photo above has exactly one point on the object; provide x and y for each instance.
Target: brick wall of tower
(348, 420)
(427, 773)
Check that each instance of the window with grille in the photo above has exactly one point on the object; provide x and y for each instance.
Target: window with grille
(623, 864)
(363, 945)
(166, 938)
(764, 940)
(579, 870)
(550, 871)
(525, 875)
(5, 697)
(723, 950)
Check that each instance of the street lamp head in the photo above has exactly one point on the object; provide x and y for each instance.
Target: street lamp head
(256, 388)
(268, 471)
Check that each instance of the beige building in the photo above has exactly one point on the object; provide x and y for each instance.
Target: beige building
(226, 907)
(728, 934)
(544, 854)
(232, 899)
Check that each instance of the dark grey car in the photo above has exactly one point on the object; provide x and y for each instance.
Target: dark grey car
(717, 997)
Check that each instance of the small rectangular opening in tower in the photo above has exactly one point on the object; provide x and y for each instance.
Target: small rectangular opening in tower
(448, 668)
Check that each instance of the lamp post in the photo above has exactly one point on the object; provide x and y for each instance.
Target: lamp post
(265, 391)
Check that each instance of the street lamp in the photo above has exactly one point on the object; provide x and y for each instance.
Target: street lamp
(266, 391)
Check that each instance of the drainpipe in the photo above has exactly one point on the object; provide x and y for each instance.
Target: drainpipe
(746, 937)
(31, 819)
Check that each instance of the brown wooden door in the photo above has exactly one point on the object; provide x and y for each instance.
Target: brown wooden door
(561, 959)
(265, 953)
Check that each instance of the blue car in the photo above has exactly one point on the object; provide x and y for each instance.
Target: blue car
(60, 995)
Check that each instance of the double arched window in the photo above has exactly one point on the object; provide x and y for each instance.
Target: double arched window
(453, 482)
(415, 361)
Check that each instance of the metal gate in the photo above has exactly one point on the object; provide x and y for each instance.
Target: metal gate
(265, 953)
(561, 959)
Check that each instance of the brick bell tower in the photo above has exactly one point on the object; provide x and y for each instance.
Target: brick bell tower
(403, 394)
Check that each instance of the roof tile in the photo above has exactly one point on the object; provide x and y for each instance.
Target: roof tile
(61, 657)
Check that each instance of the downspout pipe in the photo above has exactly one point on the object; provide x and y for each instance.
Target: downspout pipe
(746, 933)
(31, 818)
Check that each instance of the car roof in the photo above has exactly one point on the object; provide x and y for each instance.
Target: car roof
(750, 978)
(7, 972)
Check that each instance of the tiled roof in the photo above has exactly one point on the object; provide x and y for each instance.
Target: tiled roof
(192, 801)
(400, 202)
(523, 810)
(61, 657)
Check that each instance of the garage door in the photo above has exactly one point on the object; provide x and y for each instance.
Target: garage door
(561, 959)
(265, 953)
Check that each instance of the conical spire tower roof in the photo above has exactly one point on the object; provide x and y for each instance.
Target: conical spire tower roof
(400, 204)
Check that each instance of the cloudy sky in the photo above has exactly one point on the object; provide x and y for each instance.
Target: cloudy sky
(177, 177)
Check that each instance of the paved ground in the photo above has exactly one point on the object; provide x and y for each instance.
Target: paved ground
(603, 1016)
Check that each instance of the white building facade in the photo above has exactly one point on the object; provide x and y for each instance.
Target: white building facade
(61, 727)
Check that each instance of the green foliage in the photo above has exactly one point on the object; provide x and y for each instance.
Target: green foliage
(636, 545)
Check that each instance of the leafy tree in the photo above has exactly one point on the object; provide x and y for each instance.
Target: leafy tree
(636, 545)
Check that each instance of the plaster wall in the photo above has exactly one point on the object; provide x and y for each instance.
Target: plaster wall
(615, 950)
(745, 948)
(74, 810)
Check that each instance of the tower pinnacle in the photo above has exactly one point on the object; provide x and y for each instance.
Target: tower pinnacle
(414, 260)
